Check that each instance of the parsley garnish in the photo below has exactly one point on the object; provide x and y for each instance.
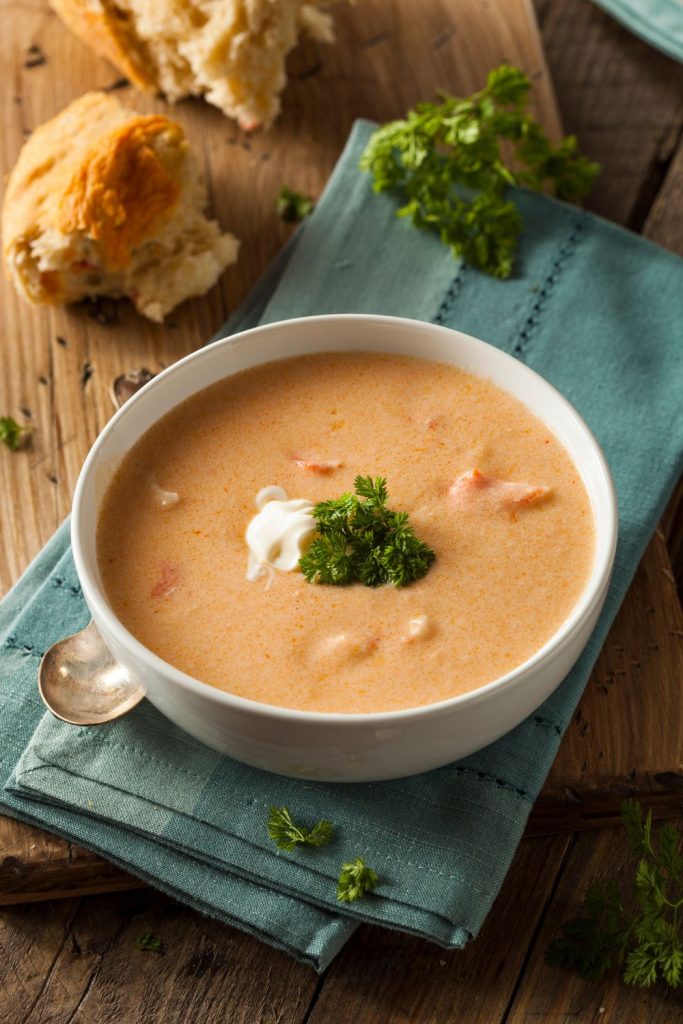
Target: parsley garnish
(293, 206)
(364, 540)
(287, 835)
(11, 432)
(445, 161)
(149, 943)
(355, 880)
(642, 934)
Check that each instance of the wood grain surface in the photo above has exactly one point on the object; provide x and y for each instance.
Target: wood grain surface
(74, 959)
(60, 363)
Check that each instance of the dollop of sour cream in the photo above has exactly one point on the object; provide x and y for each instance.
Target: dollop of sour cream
(280, 533)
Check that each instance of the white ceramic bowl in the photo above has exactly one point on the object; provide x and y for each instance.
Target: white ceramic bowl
(345, 747)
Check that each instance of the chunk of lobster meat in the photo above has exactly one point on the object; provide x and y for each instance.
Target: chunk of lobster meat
(501, 494)
(167, 581)
(314, 463)
(343, 649)
(419, 628)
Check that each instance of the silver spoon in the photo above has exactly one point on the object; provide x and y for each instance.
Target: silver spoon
(81, 683)
(78, 679)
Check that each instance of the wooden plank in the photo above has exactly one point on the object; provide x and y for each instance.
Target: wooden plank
(29, 948)
(387, 976)
(64, 382)
(613, 748)
(77, 961)
(626, 738)
(617, 745)
(550, 994)
(385, 60)
(58, 364)
(61, 970)
(664, 223)
(621, 97)
(35, 865)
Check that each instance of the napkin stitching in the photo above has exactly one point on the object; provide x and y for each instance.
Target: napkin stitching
(376, 854)
(203, 905)
(530, 326)
(547, 723)
(12, 644)
(461, 769)
(110, 741)
(285, 890)
(451, 295)
(190, 815)
(70, 588)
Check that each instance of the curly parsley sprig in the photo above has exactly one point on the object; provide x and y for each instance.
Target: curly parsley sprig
(12, 433)
(445, 161)
(361, 539)
(355, 879)
(149, 943)
(293, 206)
(643, 934)
(287, 835)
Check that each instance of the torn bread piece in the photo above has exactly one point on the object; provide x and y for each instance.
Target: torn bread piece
(104, 201)
(232, 52)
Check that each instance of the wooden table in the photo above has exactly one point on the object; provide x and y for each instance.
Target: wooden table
(74, 959)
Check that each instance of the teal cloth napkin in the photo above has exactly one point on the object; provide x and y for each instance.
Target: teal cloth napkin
(597, 311)
(658, 22)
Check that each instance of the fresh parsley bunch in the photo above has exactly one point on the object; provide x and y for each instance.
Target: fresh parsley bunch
(361, 539)
(643, 934)
(445, 160)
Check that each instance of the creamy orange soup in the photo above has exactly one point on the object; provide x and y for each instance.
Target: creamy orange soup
(486, 484)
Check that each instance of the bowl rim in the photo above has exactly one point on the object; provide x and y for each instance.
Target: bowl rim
(592, 595)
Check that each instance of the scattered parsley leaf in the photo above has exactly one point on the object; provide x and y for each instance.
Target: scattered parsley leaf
(355, 879)
(361, 539)
(293, 206)
(287, 835)
(12, 433)
(445, 161)
(149, 943)
(642, 934)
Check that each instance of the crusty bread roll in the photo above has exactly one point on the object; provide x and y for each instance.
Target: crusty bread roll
(230, 51)
(103, 201)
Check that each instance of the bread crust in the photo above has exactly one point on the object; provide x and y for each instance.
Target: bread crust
(121, 189)
(45, 165)
(106, 201)
(232, 53)
(92, 169)
(111, 37)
